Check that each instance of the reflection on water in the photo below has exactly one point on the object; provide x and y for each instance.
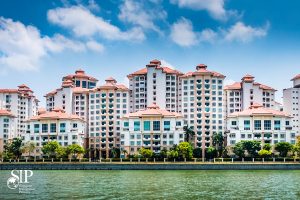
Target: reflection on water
(158, 185)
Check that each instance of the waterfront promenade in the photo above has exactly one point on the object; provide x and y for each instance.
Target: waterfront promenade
(158, 165)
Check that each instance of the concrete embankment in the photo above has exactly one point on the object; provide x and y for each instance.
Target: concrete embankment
(145, 166)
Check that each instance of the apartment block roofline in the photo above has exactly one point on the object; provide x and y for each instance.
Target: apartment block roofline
(258, 110)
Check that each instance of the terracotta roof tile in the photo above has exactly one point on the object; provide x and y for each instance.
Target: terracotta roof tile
(55, 114)
(153, 110)
(258, 110)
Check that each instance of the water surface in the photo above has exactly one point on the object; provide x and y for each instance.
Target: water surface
(173, 184)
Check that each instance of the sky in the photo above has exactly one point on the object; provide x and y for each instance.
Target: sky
(41, 41)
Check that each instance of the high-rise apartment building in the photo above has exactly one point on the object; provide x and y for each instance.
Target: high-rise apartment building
(6, 128)
(241, 95)
(154, 84)
(108, 103)
(202, 104)
(291, 102)
(22, 103)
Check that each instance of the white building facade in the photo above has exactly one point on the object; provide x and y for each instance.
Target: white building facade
(153, 128)
(22, 103)
(108, 103)
(291, 102)
(56, 125)
(202, 104)
(7, 126)
(241, 95)
(155, 84)
(262, 124)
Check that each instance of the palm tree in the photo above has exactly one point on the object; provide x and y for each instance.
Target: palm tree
(188, 133)
(217, 140)
(124, 151)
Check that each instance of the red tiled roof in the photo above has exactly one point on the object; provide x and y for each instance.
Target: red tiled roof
(234, 86)
(201, 69)
(111, 84)
(258, 110)
(55, 114)
(238, 86)
(4, 112)
(79, 74)
(153, 110)
(296, 77)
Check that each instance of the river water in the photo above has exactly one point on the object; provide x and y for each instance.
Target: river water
(156, 185)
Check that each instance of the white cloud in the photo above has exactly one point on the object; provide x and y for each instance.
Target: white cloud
(92, 5)
(95, 46)
(182, 33)
(135, 13)
(243, 33)
(84, 23)
(22, 47)
(214, 7)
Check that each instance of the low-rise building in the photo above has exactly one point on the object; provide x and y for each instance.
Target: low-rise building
(6, 128)
(153, 128)
(55, 125)
(258, 123)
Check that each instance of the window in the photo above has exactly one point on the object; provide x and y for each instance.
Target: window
(146, 125)
(156, 125)
(178, 123)
(126, 124)
(267, 124)
(45, 128)
(276, 124)
(74, 125)
(77, 83)
(136, 125)
(84, 84)
(233, 123)
(62, 127)
(257, 125)
(52, 128)
(167, 125)
(246, 124)
(36, 128)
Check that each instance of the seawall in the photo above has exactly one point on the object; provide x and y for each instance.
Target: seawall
(141, 166)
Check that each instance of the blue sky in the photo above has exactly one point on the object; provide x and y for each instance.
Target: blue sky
(41, 41)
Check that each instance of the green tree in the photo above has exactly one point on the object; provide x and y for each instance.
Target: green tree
(211, 152)
(75, 150)
(50, 148)
(14, 148)
(283, 148)
(239, 150)
(28, 147)
(218, 142)
(61, 152)
(296, 149)
(197, 152)
(267, 147)
(185, 150)
(189, 132)
(252, 147)
(265, 153)
(146, 153)
(163, 153)
(115, 152)
(125, 152)
(172, 154)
